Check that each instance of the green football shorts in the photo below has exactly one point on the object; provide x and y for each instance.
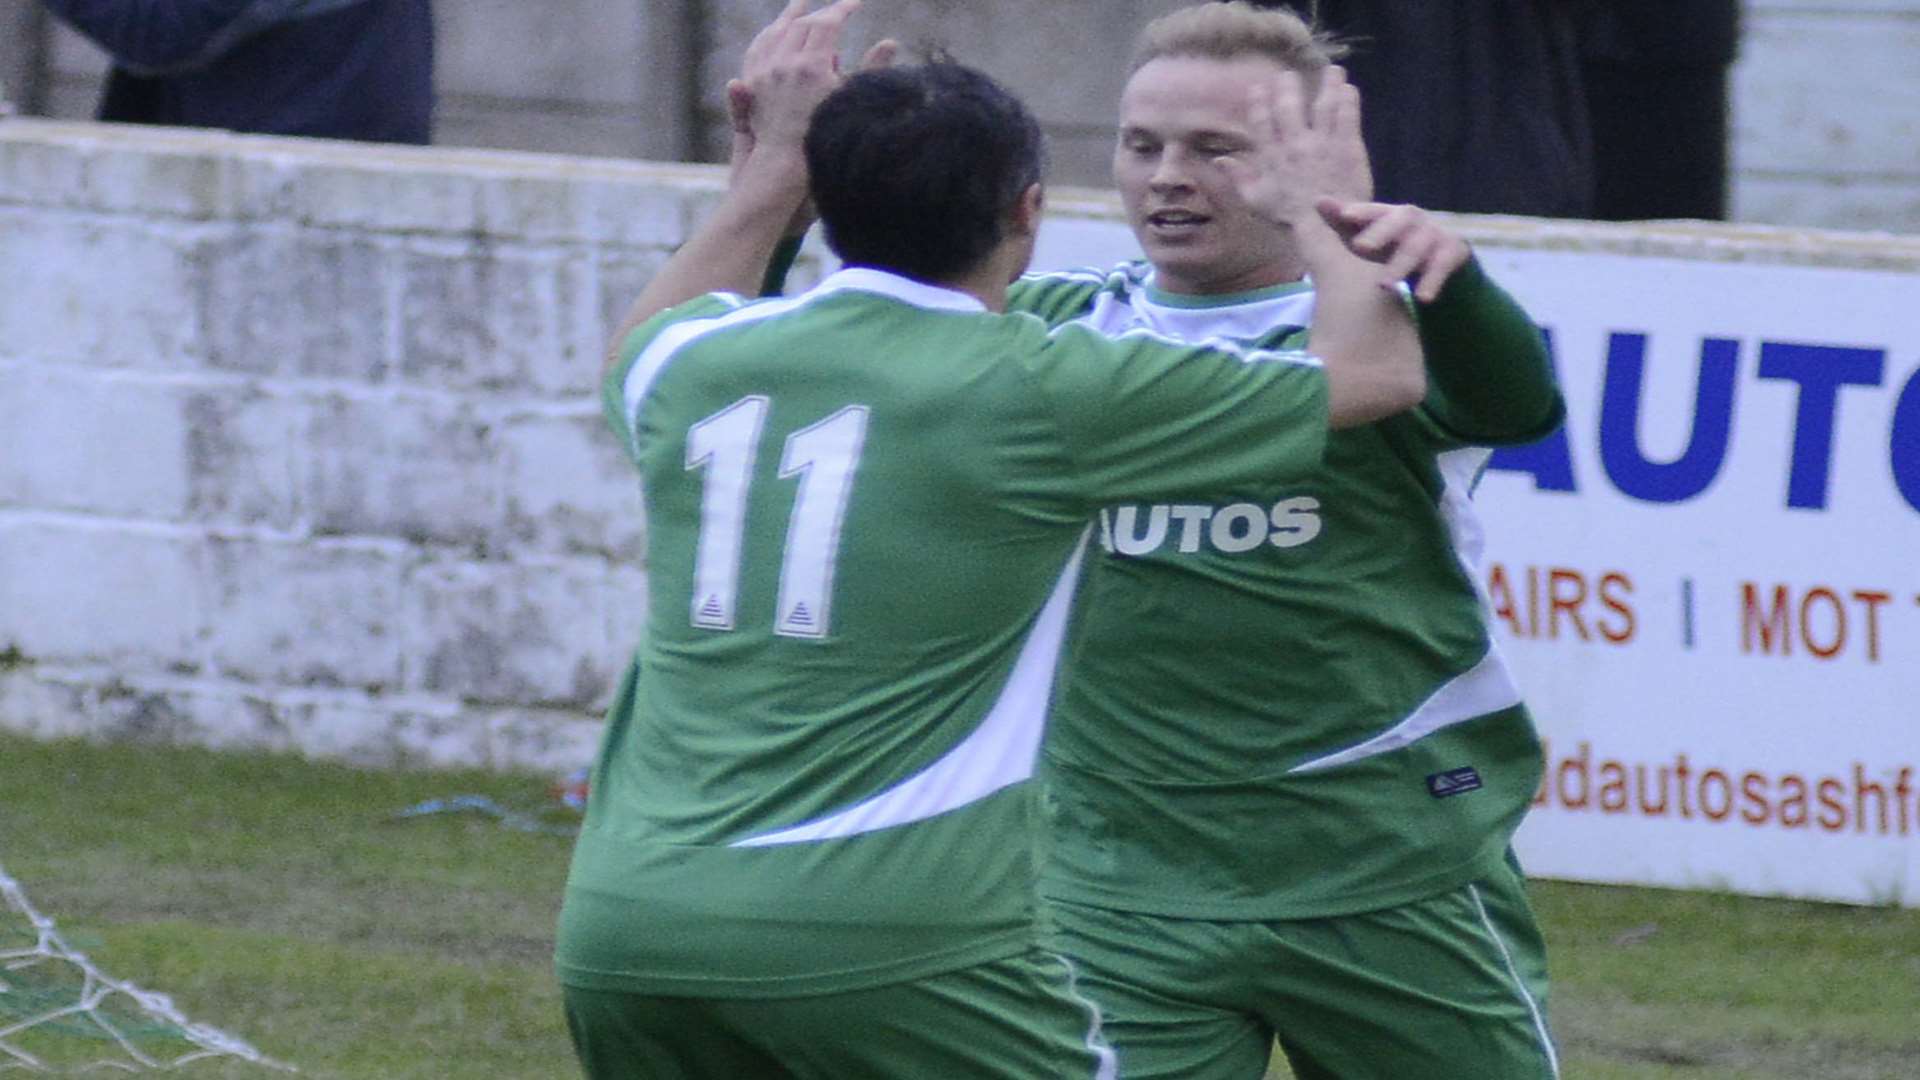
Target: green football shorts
(1022, 1018)
(1448, 988)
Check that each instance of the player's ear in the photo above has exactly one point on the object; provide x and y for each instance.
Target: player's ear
(1027, 210)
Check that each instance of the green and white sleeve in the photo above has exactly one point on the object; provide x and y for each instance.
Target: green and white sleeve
(613, 384)
(1148, 418)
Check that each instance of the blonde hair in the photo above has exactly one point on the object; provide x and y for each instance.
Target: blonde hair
(1228, 31)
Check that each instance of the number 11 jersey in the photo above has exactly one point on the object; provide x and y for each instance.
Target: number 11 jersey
(867, 508)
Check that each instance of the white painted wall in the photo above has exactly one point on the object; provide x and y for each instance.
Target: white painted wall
(1826, 113)
(300, 445)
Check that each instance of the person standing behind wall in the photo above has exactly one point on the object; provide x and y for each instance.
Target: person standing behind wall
(1474, 106)
(1641, 59)
(340, 69)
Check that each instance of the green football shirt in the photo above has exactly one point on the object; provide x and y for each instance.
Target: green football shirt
(867, 508)
(1282, 699)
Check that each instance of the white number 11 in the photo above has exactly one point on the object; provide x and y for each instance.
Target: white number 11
(824, 456)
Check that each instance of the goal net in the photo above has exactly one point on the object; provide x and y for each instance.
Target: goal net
(60, 1013)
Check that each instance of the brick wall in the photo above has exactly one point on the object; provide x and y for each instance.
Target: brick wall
(299, 441)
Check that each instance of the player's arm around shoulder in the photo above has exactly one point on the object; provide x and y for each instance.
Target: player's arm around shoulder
(1145, 417)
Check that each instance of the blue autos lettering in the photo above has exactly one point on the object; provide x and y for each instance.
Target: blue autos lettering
(1689, 474)
(1820, 370)
(1903, 446)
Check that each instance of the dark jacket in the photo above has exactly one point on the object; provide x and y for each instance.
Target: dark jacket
(1656, 77)
(344, 69)
(1472, 105)
(1692, 34)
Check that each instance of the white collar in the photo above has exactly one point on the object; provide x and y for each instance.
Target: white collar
(903, 289)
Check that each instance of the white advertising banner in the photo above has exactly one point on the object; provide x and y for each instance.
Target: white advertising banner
(1709, 579)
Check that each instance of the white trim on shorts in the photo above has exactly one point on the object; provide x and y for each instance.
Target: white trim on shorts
(1519, 984)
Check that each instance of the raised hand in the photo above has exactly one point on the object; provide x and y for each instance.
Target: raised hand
(790, 67)
(1409, 242)
(1337, 110)
(774, 69)
(1302, 152)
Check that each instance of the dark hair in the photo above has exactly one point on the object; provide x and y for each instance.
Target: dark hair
(914, 169)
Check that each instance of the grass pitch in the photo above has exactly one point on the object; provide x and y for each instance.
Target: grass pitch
(280, 900)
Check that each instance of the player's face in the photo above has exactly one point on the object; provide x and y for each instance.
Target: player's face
(1178, 115)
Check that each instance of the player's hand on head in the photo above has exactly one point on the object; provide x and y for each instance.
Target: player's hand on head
(1410, 244)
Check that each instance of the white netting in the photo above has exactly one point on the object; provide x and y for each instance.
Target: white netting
(52, 996)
